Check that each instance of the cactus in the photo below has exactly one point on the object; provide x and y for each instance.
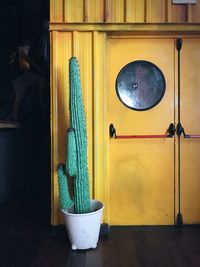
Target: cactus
(76, 164)
(65, 200)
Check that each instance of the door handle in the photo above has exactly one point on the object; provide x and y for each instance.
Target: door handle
(191, 136)
(180, 130)
(169, 133)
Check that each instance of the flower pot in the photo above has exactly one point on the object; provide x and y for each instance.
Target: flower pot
(83, 229)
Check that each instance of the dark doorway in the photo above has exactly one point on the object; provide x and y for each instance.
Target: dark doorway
(24, 109)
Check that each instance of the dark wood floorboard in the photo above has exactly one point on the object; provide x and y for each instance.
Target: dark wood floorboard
(160, 248)
(25, 240)
(119, 249)
(94, 257)
(77, 259)
(147, 246)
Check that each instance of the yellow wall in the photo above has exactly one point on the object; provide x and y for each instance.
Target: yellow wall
(88, 47)
(131, 11)
(80, 28)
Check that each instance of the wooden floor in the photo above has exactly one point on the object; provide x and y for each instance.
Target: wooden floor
(26, 240)
(143, 247)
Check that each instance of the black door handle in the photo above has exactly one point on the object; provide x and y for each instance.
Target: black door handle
(180, 130)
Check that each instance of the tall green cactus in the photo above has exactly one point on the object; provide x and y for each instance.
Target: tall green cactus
(76, 164)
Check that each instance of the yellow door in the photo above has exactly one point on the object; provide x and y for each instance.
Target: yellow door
(190, 120)
(141, 171)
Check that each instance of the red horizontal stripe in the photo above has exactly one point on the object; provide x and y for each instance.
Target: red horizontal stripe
(192, 136)
(141, 136)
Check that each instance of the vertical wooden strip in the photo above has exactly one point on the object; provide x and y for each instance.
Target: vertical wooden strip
(105, 15)
(54, 129)
(82, 50)
(85, 18)
(101, 138)
(63, 54)
(86, 46)
(125, 11)
(63, 10)
(145, 10)
(135, 11)
(75, 43)
(175, 88)
(179, 13)
(94, 11)
(168, 11)
(196, 12)
(155, 11)
(189, 13)
(86, 10)
(114, 10)
(56, 10)
(74, 10)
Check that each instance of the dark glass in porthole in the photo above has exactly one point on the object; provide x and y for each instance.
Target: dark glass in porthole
(140, 85)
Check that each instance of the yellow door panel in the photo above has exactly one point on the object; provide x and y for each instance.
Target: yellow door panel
(141, 171)
(190, 148)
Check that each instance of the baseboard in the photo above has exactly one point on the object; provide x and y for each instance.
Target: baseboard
(105, 229)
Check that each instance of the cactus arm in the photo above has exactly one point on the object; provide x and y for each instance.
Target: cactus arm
(78, 123)
(71, 163)
(65, 200)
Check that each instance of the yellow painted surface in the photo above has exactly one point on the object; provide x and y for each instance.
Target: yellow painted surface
(100, 140)
(134, 28)
(61, 52)
(54, 133)
(196, 12)
(190, 148)
(156, 11)
(56, 10)
(134, 11)
(179, 13)
(94, 11)
(73, 10)
(128, 176)
(114, 10)
(82, 49)
(62, 49)
(141, 177)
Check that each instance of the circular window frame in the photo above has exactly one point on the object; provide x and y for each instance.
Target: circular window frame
(162, 76)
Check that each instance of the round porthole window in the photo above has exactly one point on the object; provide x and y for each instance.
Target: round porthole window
(140, 85)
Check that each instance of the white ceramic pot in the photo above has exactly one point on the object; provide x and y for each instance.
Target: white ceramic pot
(83, 229)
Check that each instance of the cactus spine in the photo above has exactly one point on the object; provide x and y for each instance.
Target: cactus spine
(76, 164)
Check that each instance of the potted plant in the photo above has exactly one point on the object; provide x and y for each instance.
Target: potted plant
(82, 215)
